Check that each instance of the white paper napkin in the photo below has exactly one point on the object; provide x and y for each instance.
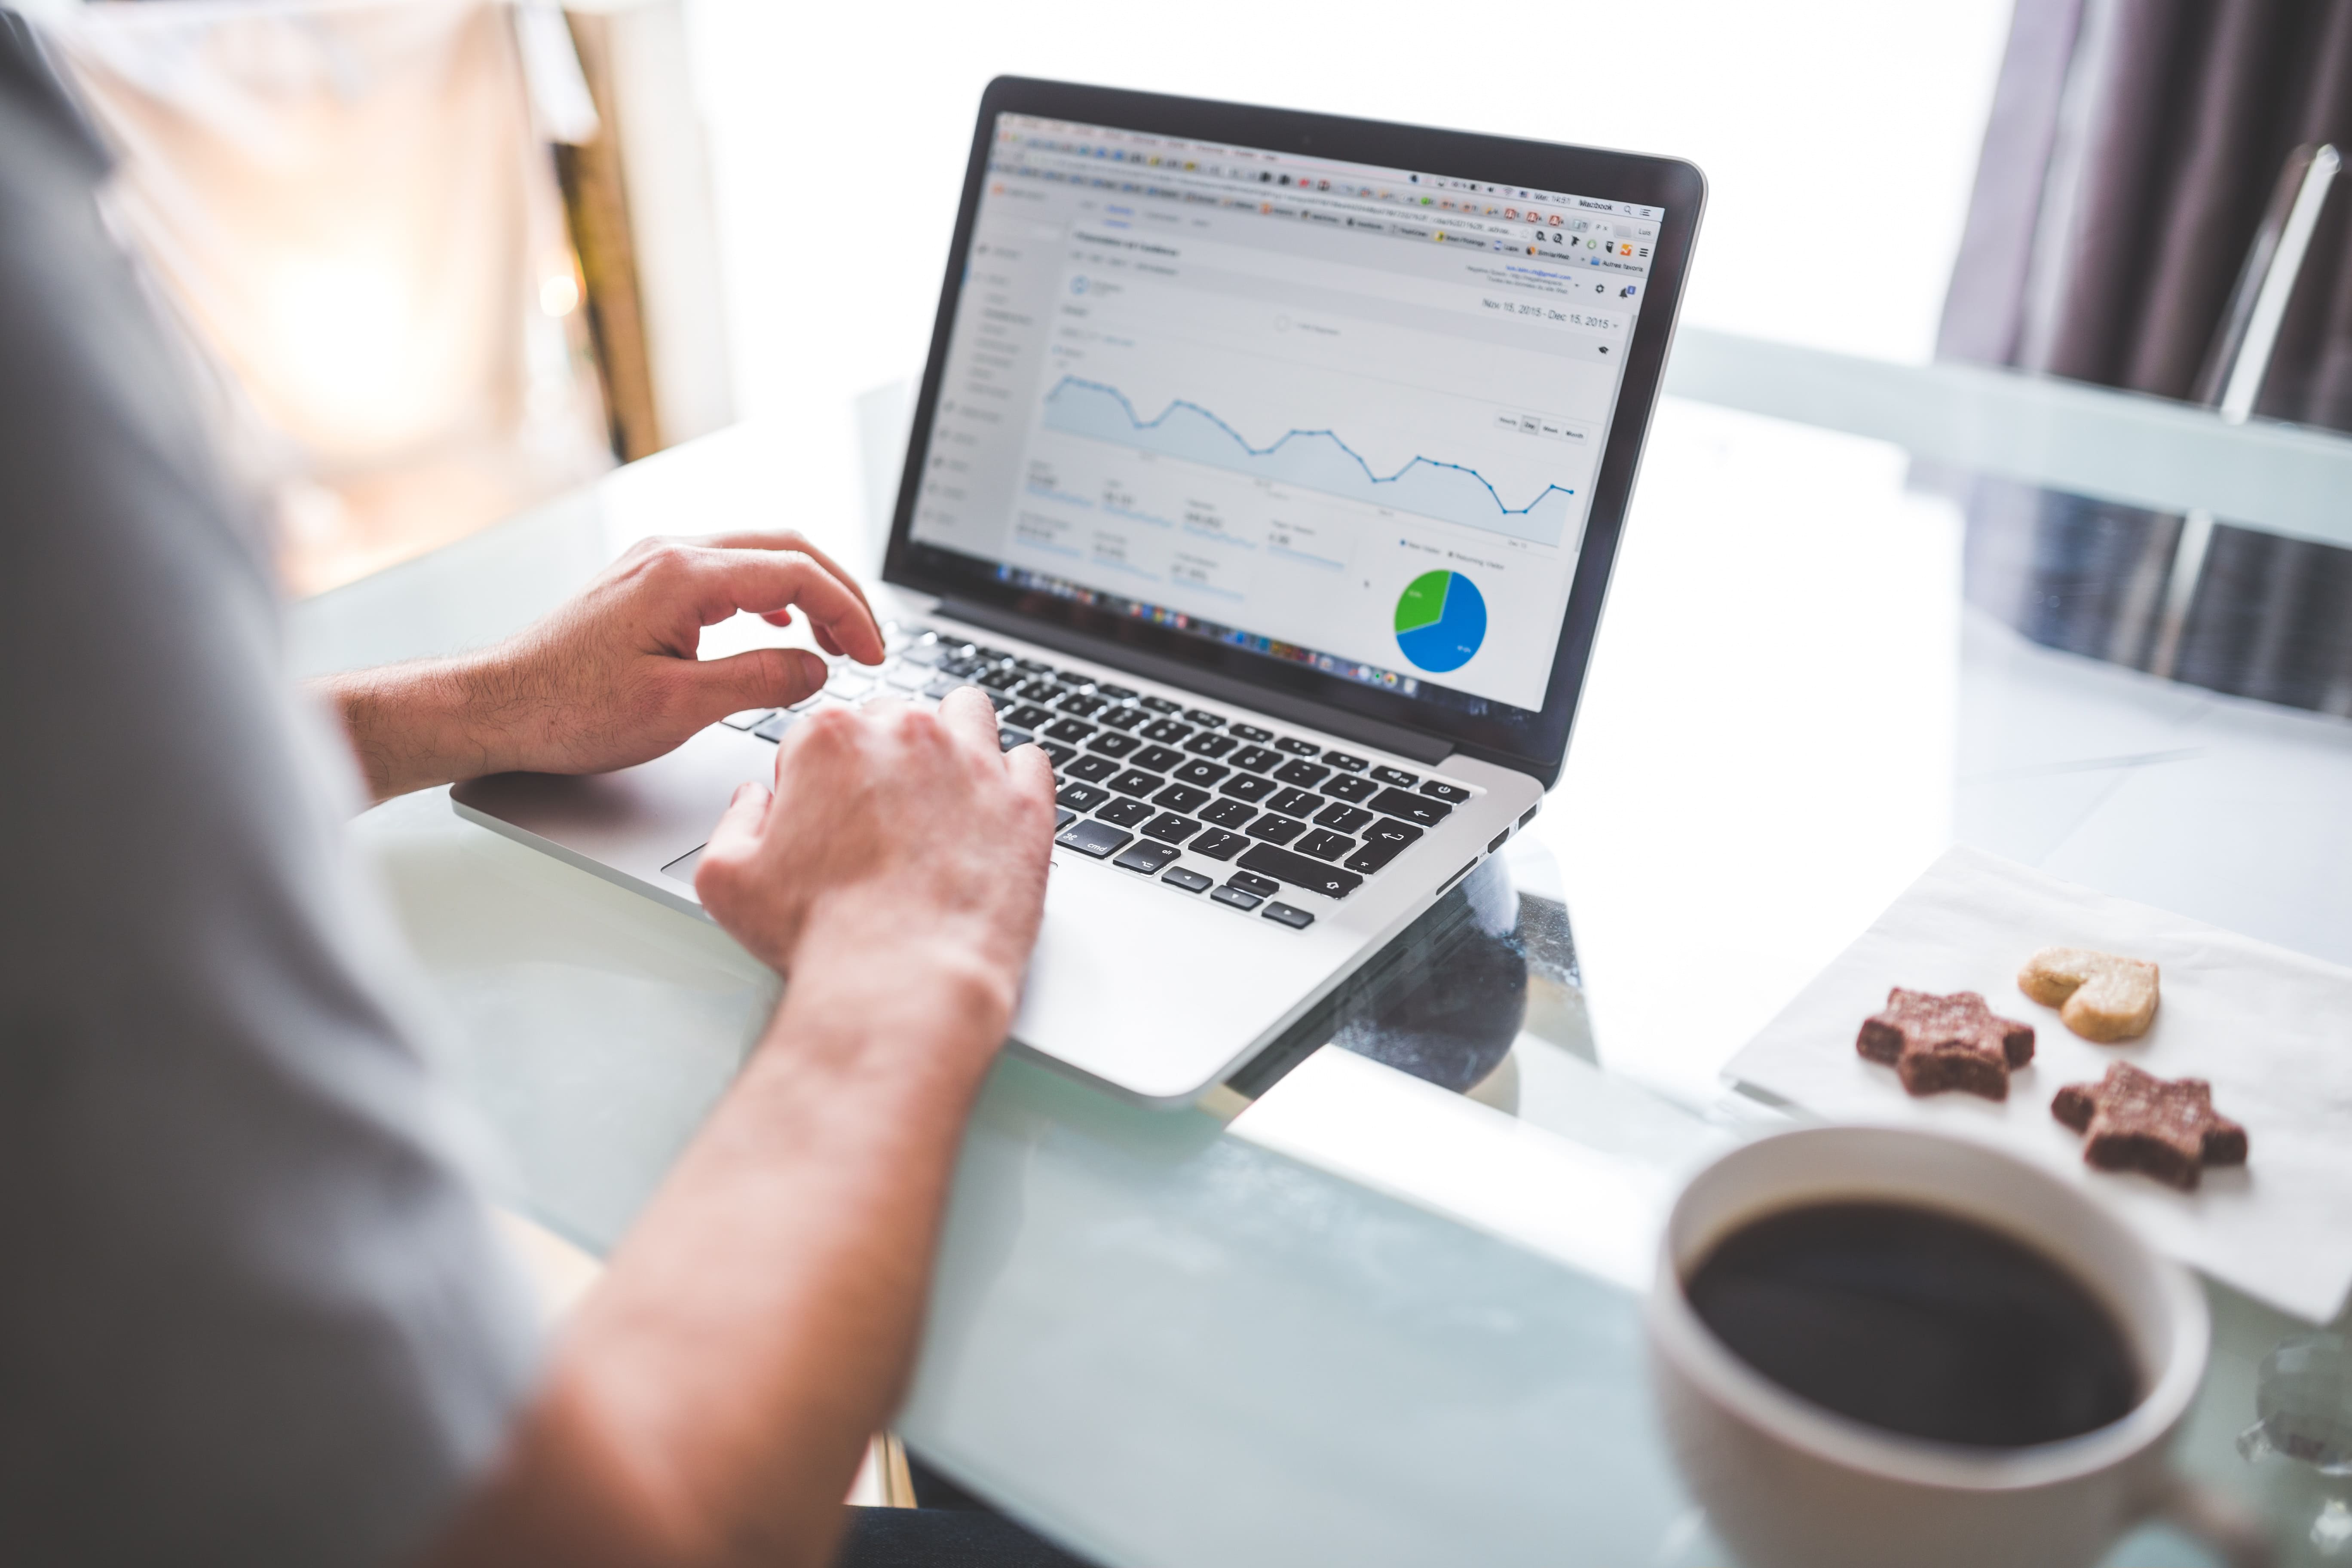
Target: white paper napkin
(2270, 1030)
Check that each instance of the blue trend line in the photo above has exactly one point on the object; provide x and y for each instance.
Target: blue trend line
(1519, 521)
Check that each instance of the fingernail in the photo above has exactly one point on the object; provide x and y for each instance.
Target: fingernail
(812, 668)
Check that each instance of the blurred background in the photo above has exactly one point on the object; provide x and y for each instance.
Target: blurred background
(456, 257)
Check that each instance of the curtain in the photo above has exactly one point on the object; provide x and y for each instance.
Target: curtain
(2133, 146)
(351, 206)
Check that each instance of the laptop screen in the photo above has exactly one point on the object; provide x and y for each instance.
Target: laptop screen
(1327, 413)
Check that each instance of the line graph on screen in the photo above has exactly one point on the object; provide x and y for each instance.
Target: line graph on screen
(1315, 460)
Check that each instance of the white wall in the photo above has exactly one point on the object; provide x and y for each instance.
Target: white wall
(1839, 138)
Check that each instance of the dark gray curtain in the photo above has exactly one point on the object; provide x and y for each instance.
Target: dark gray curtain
(2132, 147)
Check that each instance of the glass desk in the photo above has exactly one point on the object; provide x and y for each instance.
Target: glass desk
(1378, 1301)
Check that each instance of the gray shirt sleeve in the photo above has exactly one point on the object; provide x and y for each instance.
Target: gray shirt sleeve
(250, 1308)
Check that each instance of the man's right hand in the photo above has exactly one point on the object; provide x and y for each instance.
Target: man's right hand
(891, 831)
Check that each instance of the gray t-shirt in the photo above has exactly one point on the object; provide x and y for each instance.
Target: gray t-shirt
(250, 1308)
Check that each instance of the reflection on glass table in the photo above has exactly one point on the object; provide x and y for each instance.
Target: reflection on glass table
(1379, 1302)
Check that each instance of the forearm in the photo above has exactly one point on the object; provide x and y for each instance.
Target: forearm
(711, 1402)
(414, 725)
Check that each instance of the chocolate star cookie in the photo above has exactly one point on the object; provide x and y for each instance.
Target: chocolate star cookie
(2138, 1122)
(1936, 1043)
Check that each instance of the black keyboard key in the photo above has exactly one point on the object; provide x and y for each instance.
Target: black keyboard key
(1450, 792)
(1396, 777)
(1007, 737)
(1170, 828)
(1237, 898)
(1181, 797)
(1388, 830)
(997, 680)
(1203, 717)
(1187, 879)
(1148, 859)
(998, 701)
(1350, 787)
(964, 667)
(1166, 730)
(1297, 920)
(1275, 830)
(1344, 762)
(1111, 744)
(1070, 730)
(1062, 817)
(1249, 731)
(981, 650)
(1124, 813)
(1306, 775)
(1256, 759)
(1211, 746)
(1372, 857)
(1081, 705)
(1326, 845)
(1218, 845)
(1296, 747)
(1343, 818)
(1295, 803)
(1075, 676)
(1041, 689)
(1419, 809)
(1159, 759)
(1094, 838)
(1228, 813)
(1200, 773)
(1301, 872)
(1136, 782)
(1032, 667)
(1093, 770)
(1082, 796)
(1121, 718)
(1247, 786)
(1029, 716)
(1251, 882)
(1106, 690)
(1056, 753)
(1160, 705)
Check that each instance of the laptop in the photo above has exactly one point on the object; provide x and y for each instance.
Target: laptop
(1266, 470)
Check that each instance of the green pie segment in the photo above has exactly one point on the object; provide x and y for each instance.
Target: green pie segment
(1440, 620)
(1422, 603)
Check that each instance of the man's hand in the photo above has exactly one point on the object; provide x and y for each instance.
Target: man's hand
(710, 1401)
(613, 677)
(895, 830)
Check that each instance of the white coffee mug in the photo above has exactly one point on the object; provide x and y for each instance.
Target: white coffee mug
(1789, 1484)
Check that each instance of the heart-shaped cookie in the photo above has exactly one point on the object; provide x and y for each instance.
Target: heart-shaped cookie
(2101, 996)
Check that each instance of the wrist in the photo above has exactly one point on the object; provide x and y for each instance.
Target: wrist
(934, 983)
(417, 724)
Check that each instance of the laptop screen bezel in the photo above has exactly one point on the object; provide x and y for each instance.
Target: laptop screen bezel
(1534, 744)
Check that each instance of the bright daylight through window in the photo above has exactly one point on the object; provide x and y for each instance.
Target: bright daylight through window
(1341, 415)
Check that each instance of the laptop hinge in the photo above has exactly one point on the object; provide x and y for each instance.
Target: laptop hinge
(1392, 738)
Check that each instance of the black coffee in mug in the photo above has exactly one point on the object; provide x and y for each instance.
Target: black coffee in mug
(1917, 1322)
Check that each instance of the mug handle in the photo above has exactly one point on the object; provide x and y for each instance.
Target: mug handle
(2220, 1521)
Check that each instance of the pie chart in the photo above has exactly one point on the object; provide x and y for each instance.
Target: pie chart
(1440, 619)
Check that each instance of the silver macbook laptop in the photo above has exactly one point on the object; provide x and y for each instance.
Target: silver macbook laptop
(1266, 470)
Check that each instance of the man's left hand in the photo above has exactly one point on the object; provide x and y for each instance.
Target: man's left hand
(615, 676)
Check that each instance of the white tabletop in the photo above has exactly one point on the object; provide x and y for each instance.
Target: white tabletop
(1367, 1319)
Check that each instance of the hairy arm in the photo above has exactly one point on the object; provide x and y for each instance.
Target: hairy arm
(711, 1402)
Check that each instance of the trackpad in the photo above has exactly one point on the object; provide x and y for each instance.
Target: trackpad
(683, 866)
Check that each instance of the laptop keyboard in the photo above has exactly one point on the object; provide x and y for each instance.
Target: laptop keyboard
(1203, 802)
